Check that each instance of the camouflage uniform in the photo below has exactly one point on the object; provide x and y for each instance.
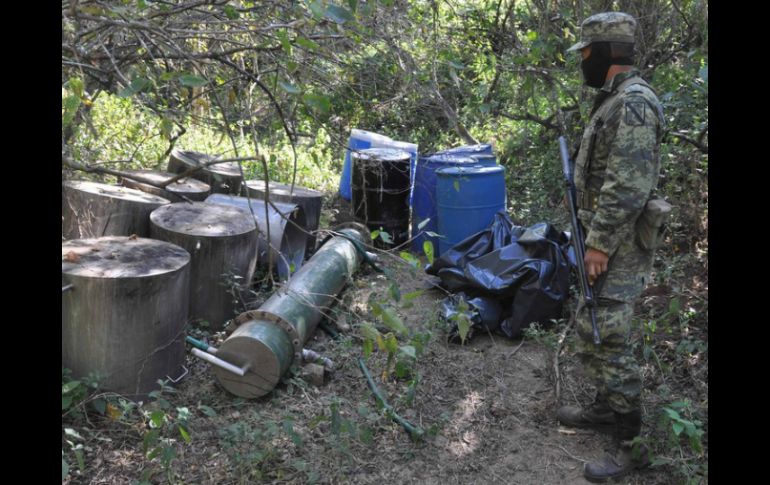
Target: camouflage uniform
(616, 171)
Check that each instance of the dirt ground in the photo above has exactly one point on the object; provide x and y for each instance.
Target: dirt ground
(488, 409)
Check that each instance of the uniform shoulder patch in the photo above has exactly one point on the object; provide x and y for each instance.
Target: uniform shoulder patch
(634, 110)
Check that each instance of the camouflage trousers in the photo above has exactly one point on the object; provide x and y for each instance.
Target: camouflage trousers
(612, 364)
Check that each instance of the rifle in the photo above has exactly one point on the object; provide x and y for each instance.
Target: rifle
(577, 239)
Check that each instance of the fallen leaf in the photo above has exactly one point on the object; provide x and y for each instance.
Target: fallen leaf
(72, 257)
(113, 412)
(133, 237)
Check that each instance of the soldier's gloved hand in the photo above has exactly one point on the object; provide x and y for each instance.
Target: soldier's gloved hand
(596, 264)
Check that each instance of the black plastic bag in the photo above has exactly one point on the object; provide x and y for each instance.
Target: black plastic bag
(525, 271)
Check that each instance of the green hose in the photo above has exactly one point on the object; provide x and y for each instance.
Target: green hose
(197, 343)
(415, 432)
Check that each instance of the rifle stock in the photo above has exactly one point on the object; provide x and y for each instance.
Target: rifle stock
(577, 239)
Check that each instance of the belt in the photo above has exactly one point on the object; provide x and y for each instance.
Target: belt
(587, 200)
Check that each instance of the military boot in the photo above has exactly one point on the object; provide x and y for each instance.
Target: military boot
(628, 458)
(598, 416)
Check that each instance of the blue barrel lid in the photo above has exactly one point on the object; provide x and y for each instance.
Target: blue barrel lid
(468, 149)
(382, 154)
(483, 156)
(453, 159)
(470, 170)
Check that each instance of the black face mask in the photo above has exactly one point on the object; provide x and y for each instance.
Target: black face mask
(596, 66)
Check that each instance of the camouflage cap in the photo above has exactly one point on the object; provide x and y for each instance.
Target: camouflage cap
(606, 27)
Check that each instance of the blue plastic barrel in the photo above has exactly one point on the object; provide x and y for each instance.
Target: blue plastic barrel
(424, 195)
(359, 140)
(468, 198)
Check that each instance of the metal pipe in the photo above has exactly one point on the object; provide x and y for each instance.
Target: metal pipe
(271, 337)
(240, 371)
(309, 355)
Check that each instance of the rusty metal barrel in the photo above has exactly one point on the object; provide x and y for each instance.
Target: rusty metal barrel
(124, 311)
(190, 188)
(224, 178)
(222, 241)
(310, 200)
(286, 222)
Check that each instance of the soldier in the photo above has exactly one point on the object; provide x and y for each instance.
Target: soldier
(616, 172)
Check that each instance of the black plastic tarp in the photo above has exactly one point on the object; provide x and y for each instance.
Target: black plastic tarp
(511, 276)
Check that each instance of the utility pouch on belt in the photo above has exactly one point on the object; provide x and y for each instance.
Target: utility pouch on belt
(650, 225)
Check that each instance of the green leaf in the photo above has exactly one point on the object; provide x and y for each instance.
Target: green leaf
(409, 258)
(389, 318)
(292, 66)
(208, 411)
(66, 401)
(408, 351)
(100, 405)
(403, 369)
(412, 295)
(369, 331)
(386, 237)
(456, 185)
(169, 452)
(65, 468)
(391, 344)
(166, 126)
(307, 43)
(192, 81)
(289, 88)
(678, 427)
(317, 8)
(353, 4)
(433, 234)
(150, 438)
(339, 14)
(457, 65)
(71, 105)
(283, 36)
(374, 235)
(231, 12)
(674, 307)
(395, 291)
(81, 459)
(185, 434)
(672, 414)
(427, 247)
(156, 418)
(365, 434)
(69, 387)
(695, 444)
(423, 224)
(368, 348)
(335, 421)
(531, 35)
(76, 85)
(463, 327)
(317, 101)
(137, 85)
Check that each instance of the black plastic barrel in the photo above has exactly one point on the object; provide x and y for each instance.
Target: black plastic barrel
(380, 191)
